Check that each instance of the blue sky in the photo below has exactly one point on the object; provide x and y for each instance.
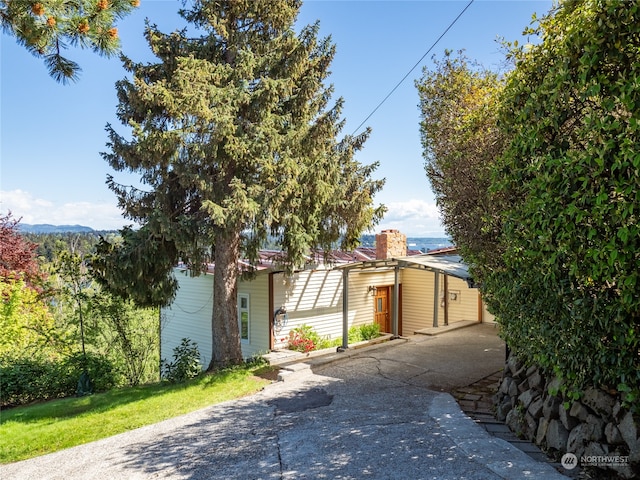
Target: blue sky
(51, 135)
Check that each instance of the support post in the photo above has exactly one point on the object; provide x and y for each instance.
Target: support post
(345, 310)
(396, 301)
(446, 299)
(436, 300)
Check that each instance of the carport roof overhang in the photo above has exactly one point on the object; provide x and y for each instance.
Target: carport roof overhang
(446, 264)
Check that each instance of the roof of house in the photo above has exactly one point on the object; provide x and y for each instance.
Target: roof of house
(452, 265)
(272, 259)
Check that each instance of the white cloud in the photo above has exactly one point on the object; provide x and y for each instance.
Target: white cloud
(414, 218)
(33, 210)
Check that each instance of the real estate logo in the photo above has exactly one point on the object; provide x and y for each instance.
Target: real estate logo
(569, 461)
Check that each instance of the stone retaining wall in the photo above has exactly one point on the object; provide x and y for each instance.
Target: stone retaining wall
(595, 428)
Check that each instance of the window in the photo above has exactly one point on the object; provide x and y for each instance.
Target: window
(243, 316)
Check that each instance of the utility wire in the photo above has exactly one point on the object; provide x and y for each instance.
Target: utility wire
(413, 68)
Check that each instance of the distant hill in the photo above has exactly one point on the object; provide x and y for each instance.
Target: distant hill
(46, 228)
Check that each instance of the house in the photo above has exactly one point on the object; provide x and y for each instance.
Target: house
(404, 292)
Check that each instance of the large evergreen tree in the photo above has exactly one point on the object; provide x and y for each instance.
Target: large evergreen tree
(235, 137)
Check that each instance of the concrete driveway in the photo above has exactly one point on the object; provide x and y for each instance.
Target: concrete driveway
(374, 413)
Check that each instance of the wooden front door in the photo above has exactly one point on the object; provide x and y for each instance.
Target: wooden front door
(382, 310)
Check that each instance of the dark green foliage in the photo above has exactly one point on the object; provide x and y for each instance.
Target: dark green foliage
(137, 266)
(32, 378)
(235, 141)
(568, 295)
(185, 364)
(557, 190)
(461, 140)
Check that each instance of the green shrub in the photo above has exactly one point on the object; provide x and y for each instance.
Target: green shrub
(568, 293)
(370, 331)
(185, 365)
(28, 379)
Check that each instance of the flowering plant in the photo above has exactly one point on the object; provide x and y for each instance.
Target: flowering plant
(303, 339)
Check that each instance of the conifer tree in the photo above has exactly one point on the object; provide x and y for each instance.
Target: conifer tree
(46, 27)
(234, 136)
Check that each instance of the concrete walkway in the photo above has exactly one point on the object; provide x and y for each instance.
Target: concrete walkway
(371, 413)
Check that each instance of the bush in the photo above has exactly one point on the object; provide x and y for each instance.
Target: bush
(304, 339)
(185, 365)
(568, 293)
(28, 379)
(369, 331)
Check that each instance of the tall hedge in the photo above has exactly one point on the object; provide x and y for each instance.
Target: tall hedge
(569, 294)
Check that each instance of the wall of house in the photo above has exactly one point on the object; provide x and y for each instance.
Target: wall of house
(314, 297)
(361, 301)
(311, 297)
(189, 316)
(417, 300)
(418, 297)
(258, 291)
(463, 301)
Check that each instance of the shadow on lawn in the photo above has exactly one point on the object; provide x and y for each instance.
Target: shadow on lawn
(71, 407)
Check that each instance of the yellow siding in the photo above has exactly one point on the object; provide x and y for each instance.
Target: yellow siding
(311, 297)
(314, 297)
(418, 297)
(464, 307)
(361, 302)
(417, 300)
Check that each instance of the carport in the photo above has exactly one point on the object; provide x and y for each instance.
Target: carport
(444, 266)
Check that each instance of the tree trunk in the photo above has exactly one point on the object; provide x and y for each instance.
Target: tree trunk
(224, 320)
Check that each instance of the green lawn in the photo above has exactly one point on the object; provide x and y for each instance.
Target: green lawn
(27, 432)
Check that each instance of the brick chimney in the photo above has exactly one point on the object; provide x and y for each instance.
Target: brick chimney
(390, 243)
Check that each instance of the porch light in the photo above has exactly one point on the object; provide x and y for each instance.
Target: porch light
(372, 290)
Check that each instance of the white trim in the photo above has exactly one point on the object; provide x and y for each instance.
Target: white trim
(246, 309)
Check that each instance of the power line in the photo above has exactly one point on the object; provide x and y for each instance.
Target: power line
(414, 67)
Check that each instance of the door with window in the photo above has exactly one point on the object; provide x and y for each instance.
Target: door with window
(382, 310)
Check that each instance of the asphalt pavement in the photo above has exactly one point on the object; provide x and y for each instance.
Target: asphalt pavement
(374, 413)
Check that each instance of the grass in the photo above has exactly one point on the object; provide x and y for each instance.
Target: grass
(34, 430)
